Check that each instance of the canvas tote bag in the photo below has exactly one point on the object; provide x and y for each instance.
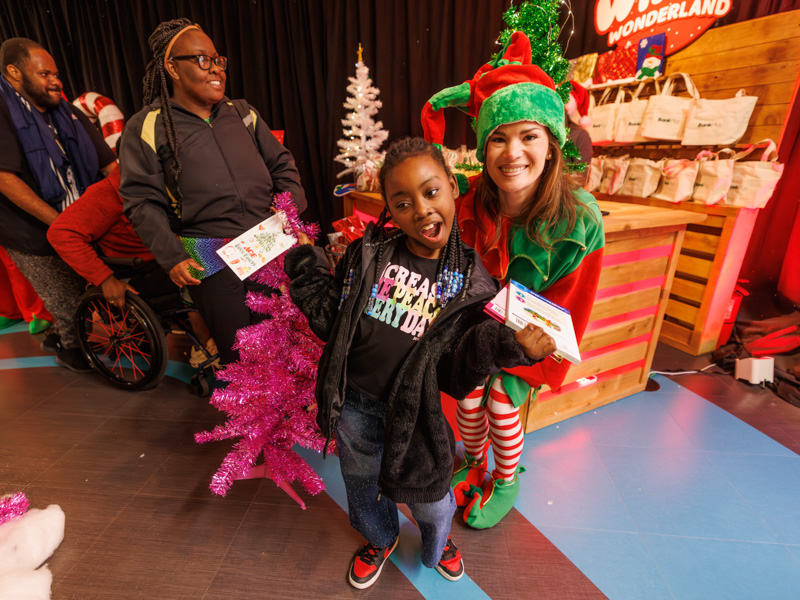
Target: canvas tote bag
(677, 183)
(629, 117)
(614, 169)
(754, 181)
(595, 174)
(642, 177)
(665, 115)
(718, 122)
(714, 176)
(604, 118)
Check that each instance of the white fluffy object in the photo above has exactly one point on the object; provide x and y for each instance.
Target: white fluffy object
(25, 543)
(30, 540)
(25, 584)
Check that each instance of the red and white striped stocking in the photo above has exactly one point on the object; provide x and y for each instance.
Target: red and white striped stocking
(472, 423)
(505, 431)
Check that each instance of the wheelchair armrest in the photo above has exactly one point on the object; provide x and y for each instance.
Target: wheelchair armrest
(125, 261)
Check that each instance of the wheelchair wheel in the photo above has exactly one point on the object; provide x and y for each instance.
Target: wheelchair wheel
(200, 385)
(128, 347)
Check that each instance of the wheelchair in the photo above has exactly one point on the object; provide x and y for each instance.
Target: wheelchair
(128, 347)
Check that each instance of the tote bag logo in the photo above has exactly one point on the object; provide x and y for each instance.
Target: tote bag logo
(683, 21)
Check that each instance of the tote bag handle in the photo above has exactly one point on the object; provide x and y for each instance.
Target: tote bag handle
(770, 149)
(641, 86)
(677, 167)
(687, 80)
(708, 154)
(604, 96)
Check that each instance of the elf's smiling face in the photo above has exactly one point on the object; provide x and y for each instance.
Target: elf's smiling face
(515, 159)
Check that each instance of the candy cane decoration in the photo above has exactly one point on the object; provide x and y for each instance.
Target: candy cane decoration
(97, 107)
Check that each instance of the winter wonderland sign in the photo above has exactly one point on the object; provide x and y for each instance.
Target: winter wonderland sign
(683, 21)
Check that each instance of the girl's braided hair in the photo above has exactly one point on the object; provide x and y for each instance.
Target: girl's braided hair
(157, 84)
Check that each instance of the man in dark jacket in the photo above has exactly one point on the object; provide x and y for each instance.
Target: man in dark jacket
(50, 154)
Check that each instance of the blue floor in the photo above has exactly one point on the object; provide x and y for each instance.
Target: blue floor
(665, 495)
(659, 495)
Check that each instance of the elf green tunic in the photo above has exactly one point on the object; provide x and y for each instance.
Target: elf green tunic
(567, 274)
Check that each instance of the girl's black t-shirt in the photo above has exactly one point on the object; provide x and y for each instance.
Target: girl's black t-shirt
(404, 307)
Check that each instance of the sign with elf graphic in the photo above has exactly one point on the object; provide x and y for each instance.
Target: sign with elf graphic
(683, 21)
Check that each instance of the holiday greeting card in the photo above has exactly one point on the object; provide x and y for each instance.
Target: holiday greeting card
(257, 246)
(526, 306)
(650, 59)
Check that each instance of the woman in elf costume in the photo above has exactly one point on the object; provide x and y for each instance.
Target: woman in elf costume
(529, 222)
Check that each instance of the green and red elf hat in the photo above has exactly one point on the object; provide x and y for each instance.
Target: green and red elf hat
(508, 89)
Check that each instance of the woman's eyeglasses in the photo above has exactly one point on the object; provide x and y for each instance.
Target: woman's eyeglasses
(204, 62)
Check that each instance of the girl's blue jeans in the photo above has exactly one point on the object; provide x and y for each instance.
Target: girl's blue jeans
(360, 435)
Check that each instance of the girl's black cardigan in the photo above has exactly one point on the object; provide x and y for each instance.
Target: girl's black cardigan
(461, 347)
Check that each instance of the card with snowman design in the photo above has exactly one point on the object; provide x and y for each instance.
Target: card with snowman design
(650, 57)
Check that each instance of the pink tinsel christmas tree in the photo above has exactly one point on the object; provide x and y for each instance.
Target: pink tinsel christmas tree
(12, 507)
(271, 387)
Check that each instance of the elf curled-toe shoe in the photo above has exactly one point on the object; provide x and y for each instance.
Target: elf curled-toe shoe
(471, 473)
(492, 502)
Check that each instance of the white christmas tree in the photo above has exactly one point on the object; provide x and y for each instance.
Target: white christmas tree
(363, 136)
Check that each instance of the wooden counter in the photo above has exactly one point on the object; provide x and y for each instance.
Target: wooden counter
(370, 203)
(761, 56)
(642, 250)
(708, 267)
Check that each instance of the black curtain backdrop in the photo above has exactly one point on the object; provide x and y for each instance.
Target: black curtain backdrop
(291, 58)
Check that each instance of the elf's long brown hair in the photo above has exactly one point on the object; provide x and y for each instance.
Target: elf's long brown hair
(553, 209)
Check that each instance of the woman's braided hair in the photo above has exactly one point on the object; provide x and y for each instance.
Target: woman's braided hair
(157, 84)
(452, 259)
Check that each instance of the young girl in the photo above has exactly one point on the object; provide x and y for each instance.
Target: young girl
(529, 222)
(403, 318)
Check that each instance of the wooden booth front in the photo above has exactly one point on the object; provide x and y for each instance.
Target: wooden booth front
(761, 56)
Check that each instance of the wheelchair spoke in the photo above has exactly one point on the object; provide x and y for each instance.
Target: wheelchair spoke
(134, 348)
(134, 337)
(125, 350)
(97, 348)
(118, 364)
(126, 346)
(101, 325)
(96, 310)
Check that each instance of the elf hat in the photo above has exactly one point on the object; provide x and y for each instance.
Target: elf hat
(508, 89)
(581, 97)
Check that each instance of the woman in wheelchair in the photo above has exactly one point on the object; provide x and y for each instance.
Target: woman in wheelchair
(94, 238)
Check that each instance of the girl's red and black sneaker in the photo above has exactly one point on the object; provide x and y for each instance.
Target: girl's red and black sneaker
(451, 566)
(367, 565)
